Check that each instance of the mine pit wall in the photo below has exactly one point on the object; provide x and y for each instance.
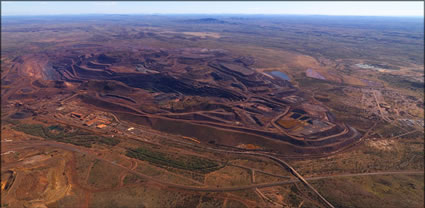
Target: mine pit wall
(171, 85)
(225, 116)
(65, 74)
(193, 116)
(253, 83)
(119, 97)
(86, 73)
(50, 72)
(280, 101)
(284, 138)
(226, 70)
(252, 110)
(204, 107)
(191, 129)
(106, 105)
(329, 132)
(97, 66)
(240, 77)
(155, 81)
(333, 140)
(257, 121)
(331, 117)
(233, 138)
(287, 93)
(266, 103)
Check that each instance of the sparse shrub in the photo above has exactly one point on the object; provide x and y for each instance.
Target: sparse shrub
(185, 162)
(60, 134)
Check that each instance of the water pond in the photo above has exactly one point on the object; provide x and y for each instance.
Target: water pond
(279, 74)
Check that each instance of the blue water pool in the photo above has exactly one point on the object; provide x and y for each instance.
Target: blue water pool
(279, 74)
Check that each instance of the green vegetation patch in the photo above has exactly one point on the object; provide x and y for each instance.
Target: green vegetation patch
(186, 162)
(62, 134)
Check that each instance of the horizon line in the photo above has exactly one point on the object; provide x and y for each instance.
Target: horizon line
(205, 14)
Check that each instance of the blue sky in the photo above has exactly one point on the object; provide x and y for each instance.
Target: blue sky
(365, 8)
